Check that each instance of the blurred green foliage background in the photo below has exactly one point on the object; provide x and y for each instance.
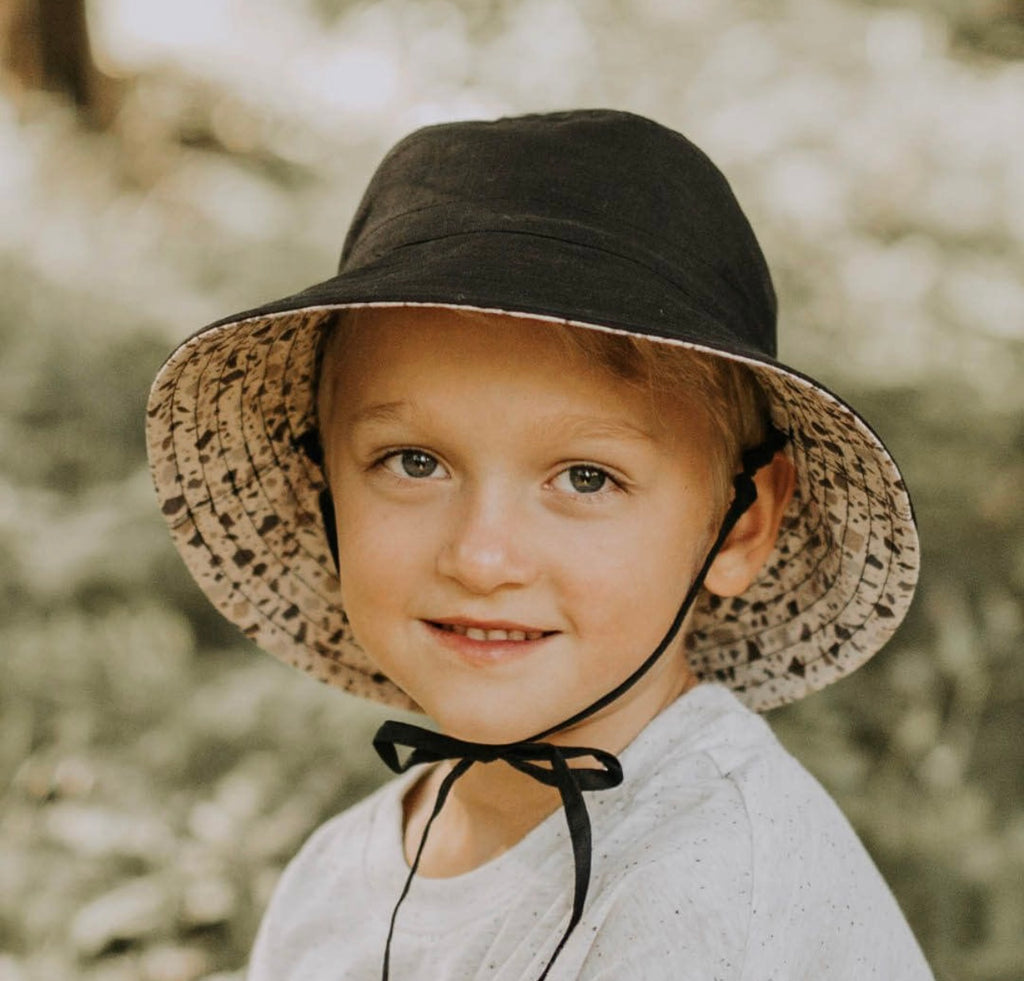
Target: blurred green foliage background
(198, 158)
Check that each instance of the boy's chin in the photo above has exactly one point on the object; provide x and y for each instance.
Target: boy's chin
(493, 724)
(489, 731)
(490, 714)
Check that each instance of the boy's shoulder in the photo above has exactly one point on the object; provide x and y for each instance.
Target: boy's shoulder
(725, 841)
(708, 774)
(706, 737)
(716, 810)
(362, 833)
(347, 872)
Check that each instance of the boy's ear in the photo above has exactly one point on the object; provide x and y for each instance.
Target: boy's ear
(752, 539)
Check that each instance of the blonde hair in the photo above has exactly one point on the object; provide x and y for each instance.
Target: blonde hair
(727, 390)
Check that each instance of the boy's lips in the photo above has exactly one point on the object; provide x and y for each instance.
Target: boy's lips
(487, 640)
(492, 630)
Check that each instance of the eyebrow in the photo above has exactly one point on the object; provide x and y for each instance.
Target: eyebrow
(576, 426)
(587, 427)
(381, 412)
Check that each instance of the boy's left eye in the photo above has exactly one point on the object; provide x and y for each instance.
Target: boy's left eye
(582, 478)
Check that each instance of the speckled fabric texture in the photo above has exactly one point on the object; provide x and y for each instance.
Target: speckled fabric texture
(468, 216)
(718, 859)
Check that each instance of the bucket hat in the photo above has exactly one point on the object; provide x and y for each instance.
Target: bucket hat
(595, 218)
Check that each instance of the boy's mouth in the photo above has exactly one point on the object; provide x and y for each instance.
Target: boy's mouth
(491, 634)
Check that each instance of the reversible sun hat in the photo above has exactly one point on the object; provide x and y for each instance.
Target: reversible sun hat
(595, 218)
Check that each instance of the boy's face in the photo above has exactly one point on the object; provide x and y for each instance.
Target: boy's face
(516, 527)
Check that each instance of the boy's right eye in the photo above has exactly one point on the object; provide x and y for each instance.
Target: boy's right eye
(417, 464)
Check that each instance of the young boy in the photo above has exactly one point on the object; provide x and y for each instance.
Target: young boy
(528, 464)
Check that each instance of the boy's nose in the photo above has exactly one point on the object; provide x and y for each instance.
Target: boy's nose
(485, 547)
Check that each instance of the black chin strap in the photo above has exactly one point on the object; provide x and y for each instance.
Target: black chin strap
(548, 763)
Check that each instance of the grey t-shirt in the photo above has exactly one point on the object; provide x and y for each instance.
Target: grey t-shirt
(719, 858)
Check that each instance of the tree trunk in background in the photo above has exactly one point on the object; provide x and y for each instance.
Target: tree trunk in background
(44, 45)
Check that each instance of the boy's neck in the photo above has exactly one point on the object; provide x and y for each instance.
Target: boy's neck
(494, 806)
(489, 810)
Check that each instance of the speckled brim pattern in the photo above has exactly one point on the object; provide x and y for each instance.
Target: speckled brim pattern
(229, 411)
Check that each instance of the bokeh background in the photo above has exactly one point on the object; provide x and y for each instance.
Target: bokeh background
(164, 164)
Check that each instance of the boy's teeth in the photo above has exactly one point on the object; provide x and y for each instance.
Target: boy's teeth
(478, 633)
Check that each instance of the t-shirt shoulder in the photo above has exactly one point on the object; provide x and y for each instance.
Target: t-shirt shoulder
(744, 867)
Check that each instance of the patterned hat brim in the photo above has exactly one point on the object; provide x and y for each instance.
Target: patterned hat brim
(233, 406)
